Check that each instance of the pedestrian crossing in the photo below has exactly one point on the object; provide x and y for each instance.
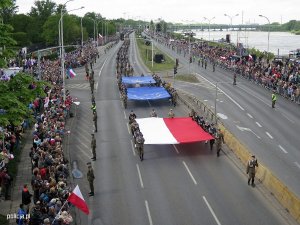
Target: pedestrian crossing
(81, 86)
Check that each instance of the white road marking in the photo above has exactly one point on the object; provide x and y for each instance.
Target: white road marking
(140, 176)
(132, 148)
(297, 164)
(125, 117)
(84, 137)
(176, 149)
(205, 100)
(270, 136)
(258, 124)
(82, 150)
(191, 175)
(148, 212)
(222, 116)
(266, 103)
(237, 104)
(128, 128)
(250, 115)
(247, 129)
(282, 149)
(284, 115)
(211, 210)
(102, 68)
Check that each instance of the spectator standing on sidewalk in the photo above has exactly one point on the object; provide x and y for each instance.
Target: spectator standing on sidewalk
(26, 198)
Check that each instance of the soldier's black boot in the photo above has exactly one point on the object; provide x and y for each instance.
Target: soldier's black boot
(249, 181)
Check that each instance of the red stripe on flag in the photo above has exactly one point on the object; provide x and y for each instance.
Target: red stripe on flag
(79, 203)
(185, 130)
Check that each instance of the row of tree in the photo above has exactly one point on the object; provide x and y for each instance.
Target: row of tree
(291, 26)
(15, 96)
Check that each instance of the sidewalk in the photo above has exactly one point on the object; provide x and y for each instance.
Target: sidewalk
(23, 177)
(24, 174)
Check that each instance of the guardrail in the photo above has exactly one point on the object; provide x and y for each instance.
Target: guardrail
(289, 200)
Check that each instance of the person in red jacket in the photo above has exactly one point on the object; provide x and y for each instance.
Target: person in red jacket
(26, 197)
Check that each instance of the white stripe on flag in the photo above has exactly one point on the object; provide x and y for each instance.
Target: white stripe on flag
(162, 134)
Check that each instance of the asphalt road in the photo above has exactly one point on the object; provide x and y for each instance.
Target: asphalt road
(182, 184)
(271, 134)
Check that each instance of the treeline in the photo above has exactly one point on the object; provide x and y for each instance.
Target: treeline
(40, 25)
(291, 26)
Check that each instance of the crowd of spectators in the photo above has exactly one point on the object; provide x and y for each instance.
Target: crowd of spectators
(282, 76)
(49, 183)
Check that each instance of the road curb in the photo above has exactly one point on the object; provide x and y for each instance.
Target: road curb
(289, 200)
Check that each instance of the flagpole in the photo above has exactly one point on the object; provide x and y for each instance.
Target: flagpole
(59, 212)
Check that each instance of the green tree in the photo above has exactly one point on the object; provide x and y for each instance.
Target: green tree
(8, 9)
(72, 30)
(40, 13)
(6, 43)
(15, 96)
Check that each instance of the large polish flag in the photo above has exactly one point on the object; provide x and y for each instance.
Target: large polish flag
(171, 130)
(77, 200)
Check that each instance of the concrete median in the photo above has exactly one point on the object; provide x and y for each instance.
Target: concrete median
(277, 188)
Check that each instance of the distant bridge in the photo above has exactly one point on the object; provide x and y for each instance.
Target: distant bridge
(218, 27)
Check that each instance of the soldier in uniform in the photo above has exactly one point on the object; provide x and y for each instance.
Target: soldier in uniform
(220, 140)
(140, 145)
(131, 117)
(93, 146)
(234, 78)
(92, 83)
(205, 63)
(93, 99)
(252, 163)
(174, 98)
(214, 66)
(153, 113)
(95, 117)
(90, 178)
(92, 74)
(171, 114)
(124, 98)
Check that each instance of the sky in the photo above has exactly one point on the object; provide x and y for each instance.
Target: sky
(185, 11)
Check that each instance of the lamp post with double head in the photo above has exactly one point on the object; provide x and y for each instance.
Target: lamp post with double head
(231, 17)
(62, 56)
(268, 34)
(209, 20)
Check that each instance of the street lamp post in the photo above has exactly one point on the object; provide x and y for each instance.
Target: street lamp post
(81, 31)
(231, 17)
(62, 47)
(62, 57)
(208, 26)
(268, 33)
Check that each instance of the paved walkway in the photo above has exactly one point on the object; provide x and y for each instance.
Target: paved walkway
(24, 170)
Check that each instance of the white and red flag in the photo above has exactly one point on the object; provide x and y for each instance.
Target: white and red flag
(171, 130)
(77, 200)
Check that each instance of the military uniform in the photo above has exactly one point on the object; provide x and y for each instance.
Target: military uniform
(140, 146)
(219, 141)
(171, 114)
(95, 118)
(90, 178)
(153, 113)
(252, 163)
(93, 146)
(234, 79)
(92, 83)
